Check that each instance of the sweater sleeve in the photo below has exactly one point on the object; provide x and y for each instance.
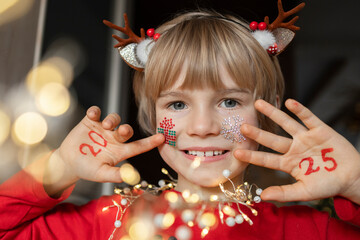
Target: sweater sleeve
(27, 212)
(347, 210)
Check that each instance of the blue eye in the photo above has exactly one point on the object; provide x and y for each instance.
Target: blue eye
(229, 103)
(177, 106)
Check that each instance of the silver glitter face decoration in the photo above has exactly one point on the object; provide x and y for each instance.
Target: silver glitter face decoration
(230, 128)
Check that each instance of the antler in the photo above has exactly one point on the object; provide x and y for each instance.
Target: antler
(278, 22)
(133, 38)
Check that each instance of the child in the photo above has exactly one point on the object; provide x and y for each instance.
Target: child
(205, 76)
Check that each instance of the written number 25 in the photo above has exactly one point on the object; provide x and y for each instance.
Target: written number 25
(324, 158)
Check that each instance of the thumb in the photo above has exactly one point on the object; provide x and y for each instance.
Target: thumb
(109, 173)
(285, 193)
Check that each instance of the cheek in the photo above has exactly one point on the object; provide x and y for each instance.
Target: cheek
(166, 127)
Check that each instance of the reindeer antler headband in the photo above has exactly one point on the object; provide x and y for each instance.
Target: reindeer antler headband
(274, 37)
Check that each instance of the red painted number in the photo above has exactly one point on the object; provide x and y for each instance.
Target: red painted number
(91, 148)
(95, 140)
(311, 164)
(324, 158)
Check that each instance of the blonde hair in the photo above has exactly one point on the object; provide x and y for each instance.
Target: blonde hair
(205, 40)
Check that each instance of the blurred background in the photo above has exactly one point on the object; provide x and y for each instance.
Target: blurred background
(57, 59)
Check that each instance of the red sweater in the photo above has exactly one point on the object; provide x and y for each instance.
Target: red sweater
(27, 212)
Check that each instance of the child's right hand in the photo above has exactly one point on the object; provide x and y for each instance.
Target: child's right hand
(91, 151)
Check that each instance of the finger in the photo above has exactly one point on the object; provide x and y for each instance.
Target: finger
(124, 133)
(143, 145)
(267, 139)
(264, 159)
(303, 113)
(111, 121)
(93, 113)
(286, 193)
(108, 173)
(287, 123)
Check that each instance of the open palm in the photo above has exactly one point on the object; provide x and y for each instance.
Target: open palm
(323, 162)
(93, 148)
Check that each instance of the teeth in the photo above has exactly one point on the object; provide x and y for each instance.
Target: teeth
(206, 154)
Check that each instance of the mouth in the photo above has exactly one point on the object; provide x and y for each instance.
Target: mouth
(206, 153)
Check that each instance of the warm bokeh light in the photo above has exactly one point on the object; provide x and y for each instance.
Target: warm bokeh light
(13, 9)
(171, 197)
(214, 198)
(53, 99)
(194, 198)
(141, 230)
(4, 127)
(168, 220)
(125, 238)
(6, 5)
(28, 155)
(207, 220)
(229, 211)
(129, 174)
(43, 74)
(30, 128)
(196, 163)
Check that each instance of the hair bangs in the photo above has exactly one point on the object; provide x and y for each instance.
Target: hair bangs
(194, 51)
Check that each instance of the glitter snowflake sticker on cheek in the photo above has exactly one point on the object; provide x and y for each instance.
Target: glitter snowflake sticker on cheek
(230, 128)
(170, 135)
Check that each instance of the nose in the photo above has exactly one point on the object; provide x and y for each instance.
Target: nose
(203, 123)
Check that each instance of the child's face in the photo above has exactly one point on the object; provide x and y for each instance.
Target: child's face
(198, 116)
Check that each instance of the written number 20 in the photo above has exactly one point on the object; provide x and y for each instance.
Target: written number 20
(91, 148)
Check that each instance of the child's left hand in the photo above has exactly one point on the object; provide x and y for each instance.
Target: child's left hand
(323, 162)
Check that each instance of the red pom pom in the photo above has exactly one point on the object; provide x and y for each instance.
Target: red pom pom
(150, 32)
(262, 26)
(253, 25)
(273, 49)
(156, 36)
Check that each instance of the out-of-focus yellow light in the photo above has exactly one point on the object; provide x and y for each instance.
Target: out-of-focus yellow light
(204, 232)
(196, 163)
(126, 238)
(171, 197)
(43, 74)
(53, 99)
(13, 9)
(129, 174)
(214, 198)
(4, 126)
(30, 128)
(194, 198)
(7, 4)
(26, 156)
(229, 211)
(52, 70)
(140, 230)
(208, 219)
(186, 194)
(168, 220)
